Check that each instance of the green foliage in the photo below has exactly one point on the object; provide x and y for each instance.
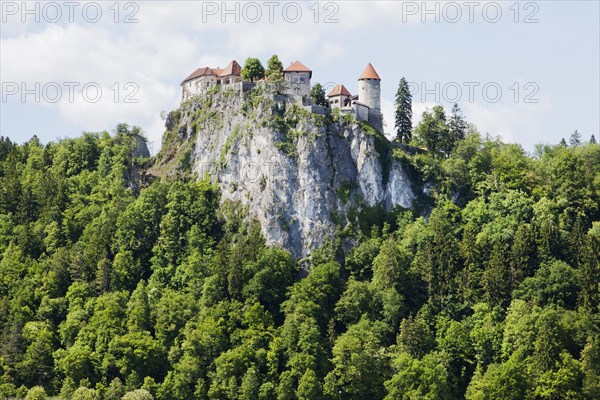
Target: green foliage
(112, 284)
(590, 358)
(138, 394)
(357, 300)
(115, 390)
(418, 379)
(231, 139)
(309, 387)
(250, 385)
(415, 337)
(439, 134)
(274, 70)
(403, 113)
(274, 272)
(575, 139)
(344, 192)
(457, 125)
(360, 363)
(36, 393)
(84, 393)
(500, 381)
(289, 123)
(554, 283)
(253, 69)
(318, 96)
(432, 131)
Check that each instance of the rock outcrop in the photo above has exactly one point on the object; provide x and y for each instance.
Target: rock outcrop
(301, 175)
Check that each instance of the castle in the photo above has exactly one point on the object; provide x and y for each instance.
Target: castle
(365, 106)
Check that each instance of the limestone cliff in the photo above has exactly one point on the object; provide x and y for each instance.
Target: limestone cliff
(303, 175)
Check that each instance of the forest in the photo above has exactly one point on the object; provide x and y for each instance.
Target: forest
(118, 285)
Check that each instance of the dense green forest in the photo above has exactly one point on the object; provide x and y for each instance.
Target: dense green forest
(115, 284)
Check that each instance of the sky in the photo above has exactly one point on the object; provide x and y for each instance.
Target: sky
(527, 71)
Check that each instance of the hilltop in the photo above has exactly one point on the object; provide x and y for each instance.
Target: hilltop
(302, 175)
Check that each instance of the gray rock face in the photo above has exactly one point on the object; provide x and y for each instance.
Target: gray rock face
(298, 173)
(141, 148)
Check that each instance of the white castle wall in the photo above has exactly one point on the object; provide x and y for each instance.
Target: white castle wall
(361, 111)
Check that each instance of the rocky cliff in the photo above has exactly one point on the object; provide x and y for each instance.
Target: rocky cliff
(303, 175)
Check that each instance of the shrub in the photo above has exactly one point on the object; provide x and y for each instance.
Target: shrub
(84, 393)
(36, 393)
(138, 394)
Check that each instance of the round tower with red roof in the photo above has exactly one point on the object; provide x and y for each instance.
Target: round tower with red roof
(369, 88)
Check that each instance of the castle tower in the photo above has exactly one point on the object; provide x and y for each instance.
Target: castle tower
(339, 97)
(369, 88)
(298, 76)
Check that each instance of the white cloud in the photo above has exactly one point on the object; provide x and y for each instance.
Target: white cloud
(156, 53)
(94, 55)
(418, 109)
(513, 122)
(170, 41)
(388, 111)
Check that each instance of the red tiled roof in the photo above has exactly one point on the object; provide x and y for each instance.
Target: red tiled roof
(297, 66)
(232, 69)
(204, 71)
(369, 73)
(339, 90)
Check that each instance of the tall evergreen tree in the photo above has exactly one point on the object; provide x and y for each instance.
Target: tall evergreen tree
(593, 140)
(575, 139)
(403, 112)
(496, 278)
(457, 125)
(562, 143)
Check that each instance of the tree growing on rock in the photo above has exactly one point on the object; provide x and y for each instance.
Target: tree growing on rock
(274, 70)
(317, 94)
(253, 70)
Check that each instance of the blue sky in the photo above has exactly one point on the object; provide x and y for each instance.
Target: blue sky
(544, 57)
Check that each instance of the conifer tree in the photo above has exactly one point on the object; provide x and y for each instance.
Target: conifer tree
(457, 125)
(575, 139)
(403, 112)
(496, 278)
